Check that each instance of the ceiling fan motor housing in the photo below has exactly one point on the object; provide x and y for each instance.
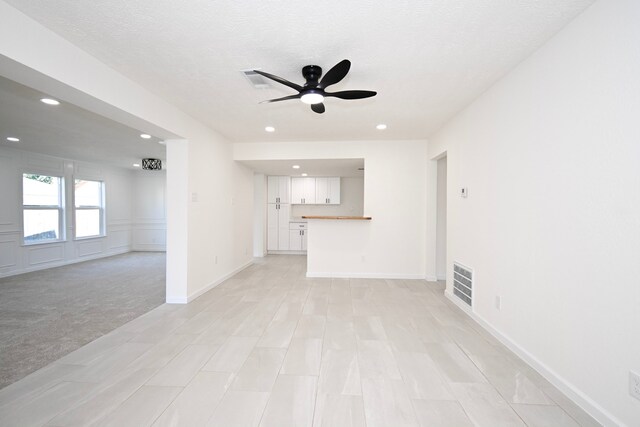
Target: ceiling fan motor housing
(312, 74)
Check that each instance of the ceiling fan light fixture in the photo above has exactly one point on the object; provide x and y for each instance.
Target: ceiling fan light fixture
(312, 98)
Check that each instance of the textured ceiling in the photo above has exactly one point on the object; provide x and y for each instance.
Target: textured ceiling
(68, 131)
(426, 58)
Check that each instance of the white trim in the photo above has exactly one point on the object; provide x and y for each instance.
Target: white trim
(364, 275)
(46, 265)
(286, 252)
(193, 296)
(441, 277)
(431, 278)
(572, 392)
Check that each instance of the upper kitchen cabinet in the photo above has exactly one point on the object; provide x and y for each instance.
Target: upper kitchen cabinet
(328, 191)
(278, 189)
(303, 191)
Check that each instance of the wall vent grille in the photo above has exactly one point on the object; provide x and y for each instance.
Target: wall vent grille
(463, 283)
(256, 80)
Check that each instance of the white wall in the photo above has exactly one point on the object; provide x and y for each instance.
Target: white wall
(16, 258)
(441, 220)
(351, 201)
(551, 156)
(149, 211)
(219, 221)
(395, 193)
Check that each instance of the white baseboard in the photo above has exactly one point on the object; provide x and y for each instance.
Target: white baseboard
(572, 392)
(286, 252)
(176, 300)
(193, 296)
(312, 274)
(48, 265)
(441, 276)
(149, 249)
(431, 278)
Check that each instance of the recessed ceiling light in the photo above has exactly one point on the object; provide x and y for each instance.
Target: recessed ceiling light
(162, 142)
(304, 174)
(296, 166)
(145, 136)
(136, 165)
(381, 126)
(270, 129)
(13, 139)
(50, 101)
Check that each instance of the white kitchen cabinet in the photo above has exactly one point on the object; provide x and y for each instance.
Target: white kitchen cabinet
(298, 236)
(278, 189)
(278, 216)
(328, 191)
(303, 191)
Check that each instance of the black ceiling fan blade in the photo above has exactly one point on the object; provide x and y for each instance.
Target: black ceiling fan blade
(352, 94)
(279, 80)
(335, 74)
(284, 98)
(318, 108)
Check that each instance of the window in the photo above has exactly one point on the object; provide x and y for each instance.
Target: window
(89, 202)
(42, 208)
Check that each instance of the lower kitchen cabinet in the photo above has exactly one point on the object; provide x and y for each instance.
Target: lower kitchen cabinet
(298, 236)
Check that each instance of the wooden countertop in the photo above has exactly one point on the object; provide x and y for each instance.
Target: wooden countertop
(356, 218)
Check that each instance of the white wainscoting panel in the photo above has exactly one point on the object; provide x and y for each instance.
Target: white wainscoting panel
(149, 238)
(8, 254)
(45, 254)
(119, 238)
(91, 247)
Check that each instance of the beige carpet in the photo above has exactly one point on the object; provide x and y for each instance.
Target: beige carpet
(46, 314)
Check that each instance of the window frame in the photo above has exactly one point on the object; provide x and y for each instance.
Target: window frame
(60, 208)
(101, 209)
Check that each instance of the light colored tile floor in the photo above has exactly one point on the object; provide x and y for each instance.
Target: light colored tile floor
(269, 347)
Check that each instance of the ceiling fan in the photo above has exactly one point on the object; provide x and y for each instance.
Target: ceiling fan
(313, 91)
